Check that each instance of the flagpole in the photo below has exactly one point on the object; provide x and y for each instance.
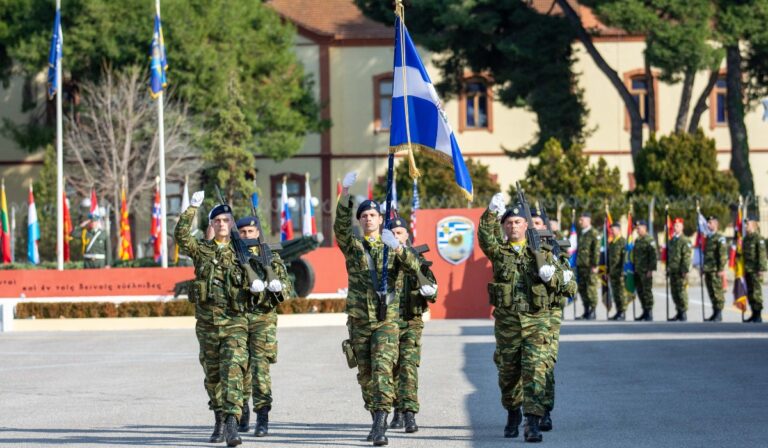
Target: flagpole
(161, 143)
(666, 249)
(701, 261)
(59, 165)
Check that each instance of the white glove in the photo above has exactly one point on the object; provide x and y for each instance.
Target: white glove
(388, 238)
(349, 179)
(257, 286)
(567, 276)
(197, 198)
(546, 272)
(275, 286)
(497, 204)
(428, 290)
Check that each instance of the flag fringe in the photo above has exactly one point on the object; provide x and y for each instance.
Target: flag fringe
(433, 154)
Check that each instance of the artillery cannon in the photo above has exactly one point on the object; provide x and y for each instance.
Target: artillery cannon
(301, 272)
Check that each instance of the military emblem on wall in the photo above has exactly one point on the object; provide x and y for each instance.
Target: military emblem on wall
(455, 238)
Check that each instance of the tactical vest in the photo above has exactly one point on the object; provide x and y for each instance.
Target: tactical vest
(514, 286)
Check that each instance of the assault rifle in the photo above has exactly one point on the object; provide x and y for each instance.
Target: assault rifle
(532, 235)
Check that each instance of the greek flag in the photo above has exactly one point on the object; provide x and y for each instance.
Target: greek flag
(54, 56)
(426, 127)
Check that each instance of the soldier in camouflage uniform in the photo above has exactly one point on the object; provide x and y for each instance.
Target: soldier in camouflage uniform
(587, 259)
(755, 263)
(715, 261)
(220, 292)
(522, 295)
(262, 330)
(94, 243)
(616, 253)
(374, 338)
(644, 257)
(678, 265)
(418, 292)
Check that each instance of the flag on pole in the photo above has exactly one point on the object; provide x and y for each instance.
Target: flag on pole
(668, 234)
(5, 229)
(158, 62)
(184, 206)
(702, 233)
(603, 266)
(54, 56)
(629, 265)
(33, 230)
(426, 127)
(156, 226)
(67, 226)
(125, 251)
(573, 240)
(286, 225)
(338, 188)
(739, 282)
(415, 206)
(370, 189)
(308, 223)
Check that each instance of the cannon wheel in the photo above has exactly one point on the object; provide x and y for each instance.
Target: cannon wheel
(303, 277)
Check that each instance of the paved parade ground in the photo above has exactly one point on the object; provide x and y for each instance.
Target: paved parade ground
(619, 385)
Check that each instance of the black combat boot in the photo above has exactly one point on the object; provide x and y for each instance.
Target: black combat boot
(642, 317)
(372, 432)
(592, 314)
(262, 422)
(648, 316)
(683, 317)
(397, 420)
(757, 318)
(619, 316)
(674, 318)
(717, 316)
(380, 428)
(546, 422)
(410, 422)
(514, 417)
(230, 431)
(584, 316)
(217, 436)
(245, 419)
(532, 431)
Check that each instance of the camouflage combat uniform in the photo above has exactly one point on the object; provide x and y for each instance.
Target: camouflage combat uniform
(644, 258)
(220, 293)
(678, 265)
(95, 249)
(616, 254)
(374, 342)
(755, 264)
(715, 260)
(587, 258)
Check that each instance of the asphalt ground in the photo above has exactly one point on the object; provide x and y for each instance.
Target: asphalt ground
(619, 385)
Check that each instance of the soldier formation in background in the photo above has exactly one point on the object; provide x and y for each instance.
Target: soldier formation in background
(645, 261)
(715, 262)
(587, 260)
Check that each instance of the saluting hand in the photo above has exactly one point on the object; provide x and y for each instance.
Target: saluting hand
(349, 179)
(389, 238)
(497, 204)
(197, 198)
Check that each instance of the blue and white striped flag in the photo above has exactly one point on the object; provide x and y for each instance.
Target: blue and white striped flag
(54, 56)
(426, 127)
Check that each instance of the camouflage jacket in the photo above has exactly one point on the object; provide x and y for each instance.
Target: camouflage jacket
(516, 283)
(679, 255)
(412, 303)
(753, 247)
(220, 290)
(361, 296)
(587, 249)
(715, 253)
(644, 254)
(95, 244)
(616, 253)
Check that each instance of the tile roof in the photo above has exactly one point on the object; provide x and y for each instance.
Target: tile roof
(336, 19)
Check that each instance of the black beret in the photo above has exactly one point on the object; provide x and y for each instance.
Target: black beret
(515, 211)
(368, 204)
(712, 218)
(535, 212)
(219, 210)
(586, 214)
(248, 221)
(397, 222)
(642, 222)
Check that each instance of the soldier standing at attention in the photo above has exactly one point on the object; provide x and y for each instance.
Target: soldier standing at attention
(418, 292)
(755, 263)
(220, 293)
(262, 330)
(522, 295)
(374, 331)
(616, 253)
(587, 259)
(645, 259)
(715, 259)
(678, 264)
(95, 243)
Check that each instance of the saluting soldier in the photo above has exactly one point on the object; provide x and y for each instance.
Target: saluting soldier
(645, 259)
(94, 242)
(678, 265)
(587, 259)
(715, 261)
(418, 292)
(522, 295)
(755, 263)
(262, 329)
(374, 332)
(616, 254)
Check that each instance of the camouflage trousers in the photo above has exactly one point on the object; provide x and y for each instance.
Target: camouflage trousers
(618, 292)
(375, 346)
(555, 319)
(644, 285)
(262, 351)
(715, 289)
(522, 357)
(587, 282)
(406, 373)
(754, 291)
(224, 357)
(678, 284)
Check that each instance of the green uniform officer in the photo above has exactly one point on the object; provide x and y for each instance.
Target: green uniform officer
(616, 255)
(94, 243)
(678, 265)
(418, 292)
(645, 259)
(220, 293)
(715, 261)
(755, 263)
(521, 294)
(374, 332)
(587, 259)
